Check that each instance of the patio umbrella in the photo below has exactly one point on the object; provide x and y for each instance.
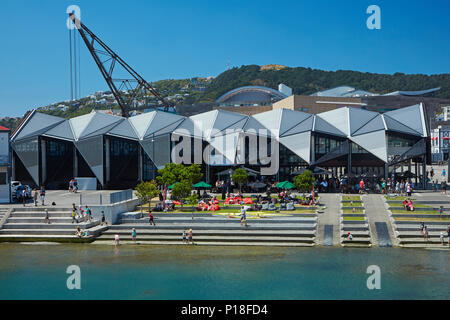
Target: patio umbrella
(171, 186)
(285, 185)
(201, 184)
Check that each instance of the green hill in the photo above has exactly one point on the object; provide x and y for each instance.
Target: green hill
(303, 81)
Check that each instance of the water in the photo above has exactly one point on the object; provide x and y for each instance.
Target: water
(195, 272)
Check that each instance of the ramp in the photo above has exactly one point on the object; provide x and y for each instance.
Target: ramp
(383, 234)
(328, 235)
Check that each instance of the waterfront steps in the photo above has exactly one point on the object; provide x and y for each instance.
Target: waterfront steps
(355, 223)
(27, 224)
(217, 230)
(408, 233)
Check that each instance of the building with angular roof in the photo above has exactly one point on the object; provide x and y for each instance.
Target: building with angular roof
(120, 152)
(5, 165)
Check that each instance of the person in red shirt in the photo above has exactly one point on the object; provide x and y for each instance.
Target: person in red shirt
(151, 219)
(361, 186)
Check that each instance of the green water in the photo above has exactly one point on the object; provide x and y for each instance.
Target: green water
(195, 272)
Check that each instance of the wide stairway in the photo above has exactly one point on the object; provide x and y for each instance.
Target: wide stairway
(209, 229)
(27, 224)
(354, 222)
(3, 211)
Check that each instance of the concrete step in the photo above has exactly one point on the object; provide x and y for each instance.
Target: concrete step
(42, 208)
(49, 226)
(427, 223)
(243, 232)
(416, 234)
(222, 220)
(39, 220)
(211, 243)
(362, 233)
(44, 238)
(415, 228)
(221, 226)
(208, 238)
(354, 227)
(356, 240)
(40, 214)
(420, 240)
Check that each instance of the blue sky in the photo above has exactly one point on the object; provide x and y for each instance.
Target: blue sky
(183, 39)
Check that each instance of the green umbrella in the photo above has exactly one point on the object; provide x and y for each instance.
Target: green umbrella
(171, 186)
(201, 184)
(285, 185)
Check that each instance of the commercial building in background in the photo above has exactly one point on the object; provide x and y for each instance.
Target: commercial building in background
(440, 143)
(120, 152)
(5, 165)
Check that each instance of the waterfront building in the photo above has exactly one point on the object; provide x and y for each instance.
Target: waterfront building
(5, 166)
(120, 152)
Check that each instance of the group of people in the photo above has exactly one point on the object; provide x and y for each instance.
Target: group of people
(73, 185)
(83, 214)
(36, 194)
(408, 205)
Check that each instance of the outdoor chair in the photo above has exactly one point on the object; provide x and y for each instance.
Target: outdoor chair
(290, 206)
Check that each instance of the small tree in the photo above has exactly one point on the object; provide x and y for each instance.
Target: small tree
(182, 190)
(192, 200)
(240, 176)
(146, 191)
(304, 182)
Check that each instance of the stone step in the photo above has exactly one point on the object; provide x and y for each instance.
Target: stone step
(211, 243)
(44, 238)
(415, 234)
(222, 226)
(356, 240)
(419, 216)
(427, 223)
(208, 238)
(416, 228)
(49, 226)
(363, 233)
(354, 227)
(42, 208)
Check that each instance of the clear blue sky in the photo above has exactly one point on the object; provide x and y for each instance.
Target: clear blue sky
(183, 39)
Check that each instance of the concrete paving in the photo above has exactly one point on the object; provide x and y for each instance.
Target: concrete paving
(376, 213)
(329, 217)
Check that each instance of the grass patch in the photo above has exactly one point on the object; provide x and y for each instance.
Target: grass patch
(353, 218)
(421, 219)
(351, 198)
(398, 198)
(414, 212)
(350, 211)
(417, 205)
(355, 204)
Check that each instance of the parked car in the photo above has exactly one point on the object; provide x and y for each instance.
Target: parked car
(19, 191)
(14, 185)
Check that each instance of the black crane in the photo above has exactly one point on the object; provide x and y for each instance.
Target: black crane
(111, 58)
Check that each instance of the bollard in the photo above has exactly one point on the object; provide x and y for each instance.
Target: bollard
(101, 200)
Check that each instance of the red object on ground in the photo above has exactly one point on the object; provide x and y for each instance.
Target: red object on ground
(248, 201)
(177, 202)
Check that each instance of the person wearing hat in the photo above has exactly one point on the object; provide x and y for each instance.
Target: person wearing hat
(349, 236)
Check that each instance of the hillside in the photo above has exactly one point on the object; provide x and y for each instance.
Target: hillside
(303, 81)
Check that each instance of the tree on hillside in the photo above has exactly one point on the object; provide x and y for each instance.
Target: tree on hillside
(146, 191)
(240, 176)
(304, 182)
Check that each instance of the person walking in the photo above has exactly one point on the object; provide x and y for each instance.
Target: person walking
(88, 213)
(150, 219)
(103, 219)
(443, 172)
(441, 212)
(190, 237)
(35, 197)
(243, 216)
(116, 240)
(432, 173)
(184, 236)
(441, 237)
(444, 187)
(74, 213)
(47, 218)
(408, 189)
(448, 236)
(425, 233)
(23, 193)
(133, 235)
(42, 194)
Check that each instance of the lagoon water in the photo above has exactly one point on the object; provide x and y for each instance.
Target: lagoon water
(193, 272)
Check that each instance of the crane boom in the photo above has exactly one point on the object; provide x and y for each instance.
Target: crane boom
(90, 40)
